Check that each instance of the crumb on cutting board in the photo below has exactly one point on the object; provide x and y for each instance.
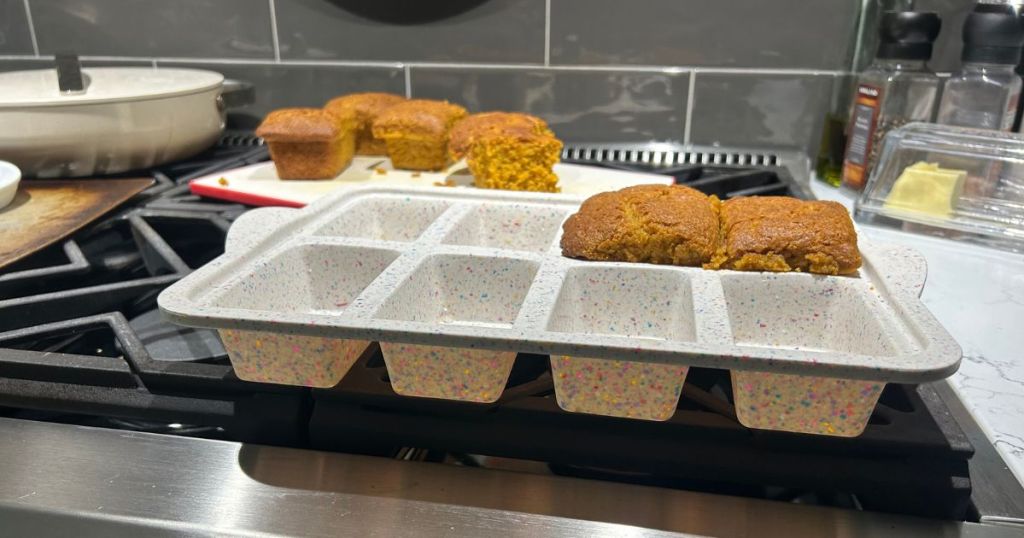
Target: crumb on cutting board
(381, 170)
(415, 174)
(223, 182)
(446, 183)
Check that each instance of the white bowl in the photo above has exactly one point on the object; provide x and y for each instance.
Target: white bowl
(10, 175)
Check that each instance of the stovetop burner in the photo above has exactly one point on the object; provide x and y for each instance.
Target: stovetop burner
(81, 341)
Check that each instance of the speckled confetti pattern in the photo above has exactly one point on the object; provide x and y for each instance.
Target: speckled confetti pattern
(625, 301)
(320, 278)
(459, 289)
(456, 270)
(816, 313)
(286, 359)
(791, 403)
(616, 388)
(397, 218)
(469, 375)
(513, 227)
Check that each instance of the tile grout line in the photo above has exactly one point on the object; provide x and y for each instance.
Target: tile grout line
(690, 98)
(31, 29)
(672, 70)
(859, 38)
(547, 32)
(273, 32)
(408, 82)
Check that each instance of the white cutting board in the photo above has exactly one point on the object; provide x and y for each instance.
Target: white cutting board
(258, 184)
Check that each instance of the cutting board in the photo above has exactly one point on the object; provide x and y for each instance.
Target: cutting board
(45, 211)
(258, 184)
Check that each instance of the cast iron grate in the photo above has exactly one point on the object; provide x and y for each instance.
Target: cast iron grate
(909, 459)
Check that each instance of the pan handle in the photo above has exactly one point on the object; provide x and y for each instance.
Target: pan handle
(254, 225)
(70, 79)
(235, 94)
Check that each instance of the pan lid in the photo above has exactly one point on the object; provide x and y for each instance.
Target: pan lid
(40, 87)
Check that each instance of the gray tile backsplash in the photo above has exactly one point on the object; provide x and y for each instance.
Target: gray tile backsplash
(302, 85)
(815, 34)
(598, 70)
(497, 31)
(760, 111)
(179, 28)
(582, 106)
(14, 33)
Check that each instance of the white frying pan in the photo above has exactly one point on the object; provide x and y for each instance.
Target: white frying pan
(122, 118)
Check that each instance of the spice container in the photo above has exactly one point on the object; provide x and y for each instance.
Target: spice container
(897, 88)
(832, 148)
(950, 181)
(984, 93)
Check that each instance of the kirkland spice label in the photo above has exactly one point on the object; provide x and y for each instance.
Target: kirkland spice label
(862, 130)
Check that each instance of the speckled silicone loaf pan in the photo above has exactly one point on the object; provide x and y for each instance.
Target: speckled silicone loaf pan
(454, 283)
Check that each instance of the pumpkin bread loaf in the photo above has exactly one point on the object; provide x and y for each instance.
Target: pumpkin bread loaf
(507, 150)
(778, 233)
(309, 143)
(664, 224)
(416, 132)
(366, 106)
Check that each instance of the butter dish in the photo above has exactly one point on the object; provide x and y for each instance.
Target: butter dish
(965, 184)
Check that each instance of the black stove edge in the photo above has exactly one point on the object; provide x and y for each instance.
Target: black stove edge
(997, 494)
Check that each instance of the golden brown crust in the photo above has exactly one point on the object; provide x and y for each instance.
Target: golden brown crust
(416, 133)
(665, 224)
(418, 118)
(365, 107)
(299, 125)
(415, 154)
(778, 233)
(467, 130)
(514, 158)
(312, 160)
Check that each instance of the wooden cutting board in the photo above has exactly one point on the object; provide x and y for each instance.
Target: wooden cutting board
(45, 211)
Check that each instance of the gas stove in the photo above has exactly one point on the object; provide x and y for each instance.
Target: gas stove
(81, 341)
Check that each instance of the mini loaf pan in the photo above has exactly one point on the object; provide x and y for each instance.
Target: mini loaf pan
(454, 283)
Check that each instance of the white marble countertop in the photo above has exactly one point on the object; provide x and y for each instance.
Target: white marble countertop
(977, 293)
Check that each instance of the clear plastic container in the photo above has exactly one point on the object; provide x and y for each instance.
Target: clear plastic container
(950, 181)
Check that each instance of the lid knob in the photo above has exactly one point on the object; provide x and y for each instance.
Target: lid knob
(992, 34)
(908, 35)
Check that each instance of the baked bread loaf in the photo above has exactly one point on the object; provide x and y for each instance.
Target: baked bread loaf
(517, 159)
(366, 107)
(778, 233)
(507, 150)
(665, 224)
(309, 143)
(416, 132)
(467, 130)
